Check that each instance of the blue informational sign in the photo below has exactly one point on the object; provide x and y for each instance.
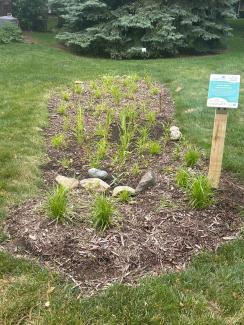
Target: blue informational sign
(224, 91)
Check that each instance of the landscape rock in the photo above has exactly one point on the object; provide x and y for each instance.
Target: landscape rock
(94, 185)
(98, 173)
(68, 183)
(147, 180)
(119, 189)
(175, 133)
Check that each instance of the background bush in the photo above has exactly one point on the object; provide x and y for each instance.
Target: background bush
(32, 14)
(121, 28)
(10, 33)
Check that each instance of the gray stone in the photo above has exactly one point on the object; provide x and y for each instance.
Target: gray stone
(119, 189)
(175, 133)
(68, 183)
(94, 185)
(147, 180)
(97, 173)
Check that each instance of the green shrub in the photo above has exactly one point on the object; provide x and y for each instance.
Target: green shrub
(102, 212)
(192, 157)
(57, 203)
(10, 33)
(200, 192)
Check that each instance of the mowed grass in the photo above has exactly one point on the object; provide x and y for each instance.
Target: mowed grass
(211, 290)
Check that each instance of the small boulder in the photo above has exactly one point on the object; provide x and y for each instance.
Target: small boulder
(98, 173)
(119, 189)
(175, 133)
(147, 180)
(66, 182)
(94, 185)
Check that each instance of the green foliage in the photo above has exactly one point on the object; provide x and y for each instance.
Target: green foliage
(124, 196)
(102, 212)
(154, 147)
(58, 141)
(32, 14)
(10, 33)
(120, 29)
(192, 157)
(200, 192)
(80, 126)
(182, 178)
(57, 204)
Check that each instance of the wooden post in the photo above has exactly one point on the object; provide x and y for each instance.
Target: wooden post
(217, 150)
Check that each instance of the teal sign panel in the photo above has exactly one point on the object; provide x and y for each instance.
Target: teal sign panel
(224, 91)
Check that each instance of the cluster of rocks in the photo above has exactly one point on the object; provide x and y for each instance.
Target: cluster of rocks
(97, 183)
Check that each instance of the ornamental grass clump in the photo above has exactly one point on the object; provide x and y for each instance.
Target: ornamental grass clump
(80, 126)
(57, 204)
(182, 178)
(154, 147)
(124, 196)
(200, 192)
(102, 212)
(191, 157)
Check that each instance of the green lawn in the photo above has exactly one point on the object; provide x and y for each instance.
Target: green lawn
(211, 291)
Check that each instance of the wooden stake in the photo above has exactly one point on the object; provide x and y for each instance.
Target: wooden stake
(217, 150)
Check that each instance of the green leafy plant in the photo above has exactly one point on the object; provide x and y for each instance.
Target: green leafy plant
(182, 178)
(117, 94)
(192, 157)
(10, 33)
(200, 192)
(127, 118)
(154, 147)
(62, 109)
(154, 90)
(100, 153)
(58, 141)
(66, 163)
(80, 126)
(143, 139)
(102, 212)
(66, 124)
(135, 169)
(124, 196)
(57, 204)
(151, 118)
(78, 89)
(66, 96)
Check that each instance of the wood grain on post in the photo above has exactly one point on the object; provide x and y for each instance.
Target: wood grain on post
(217, 150)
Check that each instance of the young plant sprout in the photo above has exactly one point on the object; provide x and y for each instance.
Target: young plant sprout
(58, 141)
(192, 157)
(62, 109)
(124, 196)
(66, 124)
(80, 126)
(154, 90)
(102, 212)
(151, 118)
(135, 170)
(154, 147)
(57, 204)
(101, 151)
(66, 96)
(116, 93)
(78, 89)
(66, 163)
(142, 142)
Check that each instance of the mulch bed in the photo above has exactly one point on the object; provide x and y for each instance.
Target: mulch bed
(157, 232)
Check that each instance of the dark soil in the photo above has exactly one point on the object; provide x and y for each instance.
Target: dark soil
(156, 231)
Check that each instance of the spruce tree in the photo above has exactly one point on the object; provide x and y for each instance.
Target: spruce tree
(121, 28)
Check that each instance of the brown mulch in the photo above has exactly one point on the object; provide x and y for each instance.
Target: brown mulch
(155, 232)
